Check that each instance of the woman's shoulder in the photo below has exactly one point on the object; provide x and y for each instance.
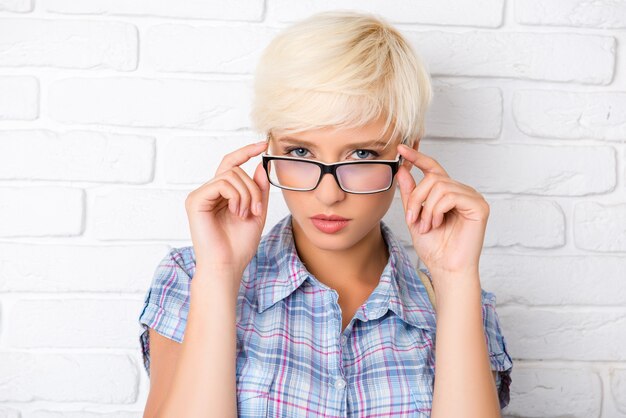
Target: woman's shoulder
(184, 257)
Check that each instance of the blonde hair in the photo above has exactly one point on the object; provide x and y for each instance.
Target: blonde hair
(340, 69)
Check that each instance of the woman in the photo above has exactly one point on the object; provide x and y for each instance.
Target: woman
(327, 317)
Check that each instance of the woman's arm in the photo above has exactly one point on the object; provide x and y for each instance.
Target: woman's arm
(464, 386)
(204, 381)
(447, 221)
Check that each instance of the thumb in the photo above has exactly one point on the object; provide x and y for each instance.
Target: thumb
(260, 178)
(406, 184)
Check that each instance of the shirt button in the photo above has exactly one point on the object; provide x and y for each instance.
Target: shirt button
(340, 383)
(344, 339)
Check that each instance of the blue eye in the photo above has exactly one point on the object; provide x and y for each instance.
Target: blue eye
(373, 153)
(290, 150)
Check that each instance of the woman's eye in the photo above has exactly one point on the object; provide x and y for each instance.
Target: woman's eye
(360, 153)
(290, 150)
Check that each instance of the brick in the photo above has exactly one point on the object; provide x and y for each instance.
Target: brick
(67, 377)
(525, 223)
(574, 13)
(76, 155)
(87, 323)
(465, 113)
(41, 211)
(140, 214)
(565, 333)
(618, 388)
(42, 413)
(6, 412)
(19, 98)
(160, 103)
(518, 55)
(484, 13)
(53, 268)
(558, 280)
(571, 115)
(184, 48)
(87, 45)
(244, 10)
(19, 6)
(551, 391)
(600, 227)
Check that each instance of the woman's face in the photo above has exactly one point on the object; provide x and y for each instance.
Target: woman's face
(331, 145)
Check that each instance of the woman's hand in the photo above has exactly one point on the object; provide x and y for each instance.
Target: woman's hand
(225, 225)
(452, 216)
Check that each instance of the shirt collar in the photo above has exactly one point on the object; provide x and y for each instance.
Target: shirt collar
(280, 272)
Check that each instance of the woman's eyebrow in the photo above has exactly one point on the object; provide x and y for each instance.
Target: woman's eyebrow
(294, 141)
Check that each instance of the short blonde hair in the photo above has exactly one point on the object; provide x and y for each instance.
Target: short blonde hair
(340, 69)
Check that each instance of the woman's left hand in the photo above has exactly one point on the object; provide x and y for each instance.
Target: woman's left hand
(453, 216)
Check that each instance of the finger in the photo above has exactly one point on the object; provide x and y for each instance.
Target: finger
(416, 201)
(438, 216)
(421, 161)
(240, 156)
(425, 189)
(460, 201)
(208, 197)
(233, 196)
(260, 178)
(437, 191)
(244, 194)
(253, 190)
(406, 183)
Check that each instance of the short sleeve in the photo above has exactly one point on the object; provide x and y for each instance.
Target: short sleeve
(166, 304)
(496, 345)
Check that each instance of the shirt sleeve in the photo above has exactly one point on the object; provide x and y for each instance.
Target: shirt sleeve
(166, 304)
(496, 345)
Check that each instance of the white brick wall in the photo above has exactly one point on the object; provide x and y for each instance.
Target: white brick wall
(111, 112)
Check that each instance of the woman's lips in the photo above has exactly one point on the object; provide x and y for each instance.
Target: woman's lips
(329, 227)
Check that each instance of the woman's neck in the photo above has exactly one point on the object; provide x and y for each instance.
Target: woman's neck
(360, 265)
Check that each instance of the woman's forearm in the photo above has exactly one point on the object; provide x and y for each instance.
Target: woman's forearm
(464, 385)
(204, 381)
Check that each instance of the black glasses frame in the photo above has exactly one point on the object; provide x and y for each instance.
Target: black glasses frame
(332, 169)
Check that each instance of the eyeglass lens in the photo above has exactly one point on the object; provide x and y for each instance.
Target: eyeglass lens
(360, 178)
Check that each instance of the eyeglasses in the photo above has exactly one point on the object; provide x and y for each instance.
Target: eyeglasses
(360, 177)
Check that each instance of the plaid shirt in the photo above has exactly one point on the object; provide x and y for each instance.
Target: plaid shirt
(293, 358)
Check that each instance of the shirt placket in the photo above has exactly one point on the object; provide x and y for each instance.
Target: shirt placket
(338, 381)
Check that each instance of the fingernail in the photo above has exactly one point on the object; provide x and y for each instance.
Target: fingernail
(258, 208)
(409, 216)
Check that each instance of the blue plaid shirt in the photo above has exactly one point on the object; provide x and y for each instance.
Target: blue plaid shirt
(293, 358)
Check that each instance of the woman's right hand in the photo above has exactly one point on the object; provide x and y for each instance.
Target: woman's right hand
(224, 223)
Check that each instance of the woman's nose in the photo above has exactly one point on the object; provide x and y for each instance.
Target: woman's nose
(328, 190)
